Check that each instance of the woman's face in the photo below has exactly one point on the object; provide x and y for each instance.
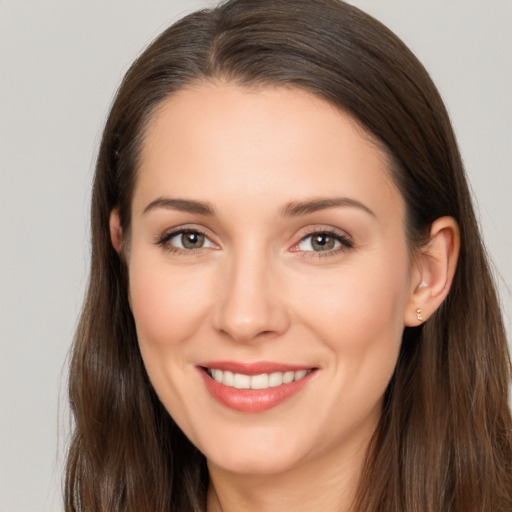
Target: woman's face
(267, 250)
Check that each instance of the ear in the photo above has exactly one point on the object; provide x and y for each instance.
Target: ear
(435, 267)
(116, 232)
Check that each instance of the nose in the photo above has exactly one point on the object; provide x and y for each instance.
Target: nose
(252, 304)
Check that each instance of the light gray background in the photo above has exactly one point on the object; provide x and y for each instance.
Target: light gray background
(60, 62)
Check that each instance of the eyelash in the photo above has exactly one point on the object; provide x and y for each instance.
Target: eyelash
(345, 243)
(164, 241)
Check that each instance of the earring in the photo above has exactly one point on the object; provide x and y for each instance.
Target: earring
(418, 315)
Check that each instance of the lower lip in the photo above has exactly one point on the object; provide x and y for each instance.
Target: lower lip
(253, 400)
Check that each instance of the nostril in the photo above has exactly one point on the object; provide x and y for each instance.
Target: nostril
(250, 308)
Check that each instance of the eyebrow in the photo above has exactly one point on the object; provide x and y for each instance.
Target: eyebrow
(311, 206)
(183, 205)
(293, 209)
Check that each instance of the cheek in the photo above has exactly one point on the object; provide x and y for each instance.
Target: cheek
(359, 318)
(166, 303)
(360, 299)
(359, 314)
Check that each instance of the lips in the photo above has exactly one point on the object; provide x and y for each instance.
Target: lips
(259, 381)
(254, 387)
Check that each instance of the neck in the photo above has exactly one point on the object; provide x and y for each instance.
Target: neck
(327, 483)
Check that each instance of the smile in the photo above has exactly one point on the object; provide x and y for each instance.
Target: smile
(254, 388)
(261, 381)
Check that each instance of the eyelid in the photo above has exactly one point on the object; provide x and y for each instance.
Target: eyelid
(344, 238)
(163, 240)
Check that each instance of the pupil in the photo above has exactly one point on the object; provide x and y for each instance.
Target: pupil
(323, 242)
(192, 240)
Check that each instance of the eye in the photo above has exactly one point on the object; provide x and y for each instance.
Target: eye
(186, 240)
(324, 241)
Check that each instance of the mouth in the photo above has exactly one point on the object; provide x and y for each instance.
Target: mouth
(254, 387)
(259, 381)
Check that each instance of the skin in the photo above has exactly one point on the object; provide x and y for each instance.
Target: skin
(257, 290)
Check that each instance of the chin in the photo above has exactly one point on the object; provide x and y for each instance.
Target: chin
(253, 464)
(259, 455)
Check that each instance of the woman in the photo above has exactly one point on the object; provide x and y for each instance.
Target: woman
(289, 304)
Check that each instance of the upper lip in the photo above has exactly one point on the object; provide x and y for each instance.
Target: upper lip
(255, 368)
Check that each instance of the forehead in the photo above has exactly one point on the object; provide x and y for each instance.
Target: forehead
(219, 140)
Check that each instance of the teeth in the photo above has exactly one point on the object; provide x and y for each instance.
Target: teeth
(262, 381)
(275, 379)
(300, 374)
(288, 377)
(228, 378)
(259, 381)
(241, 381)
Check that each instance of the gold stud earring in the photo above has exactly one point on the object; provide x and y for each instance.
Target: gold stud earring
(418, 315)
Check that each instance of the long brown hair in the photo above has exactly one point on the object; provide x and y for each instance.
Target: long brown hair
(443, 442)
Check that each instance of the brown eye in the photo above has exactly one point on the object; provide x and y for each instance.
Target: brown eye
(188, 240)
(192, 240)
(324, 241)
